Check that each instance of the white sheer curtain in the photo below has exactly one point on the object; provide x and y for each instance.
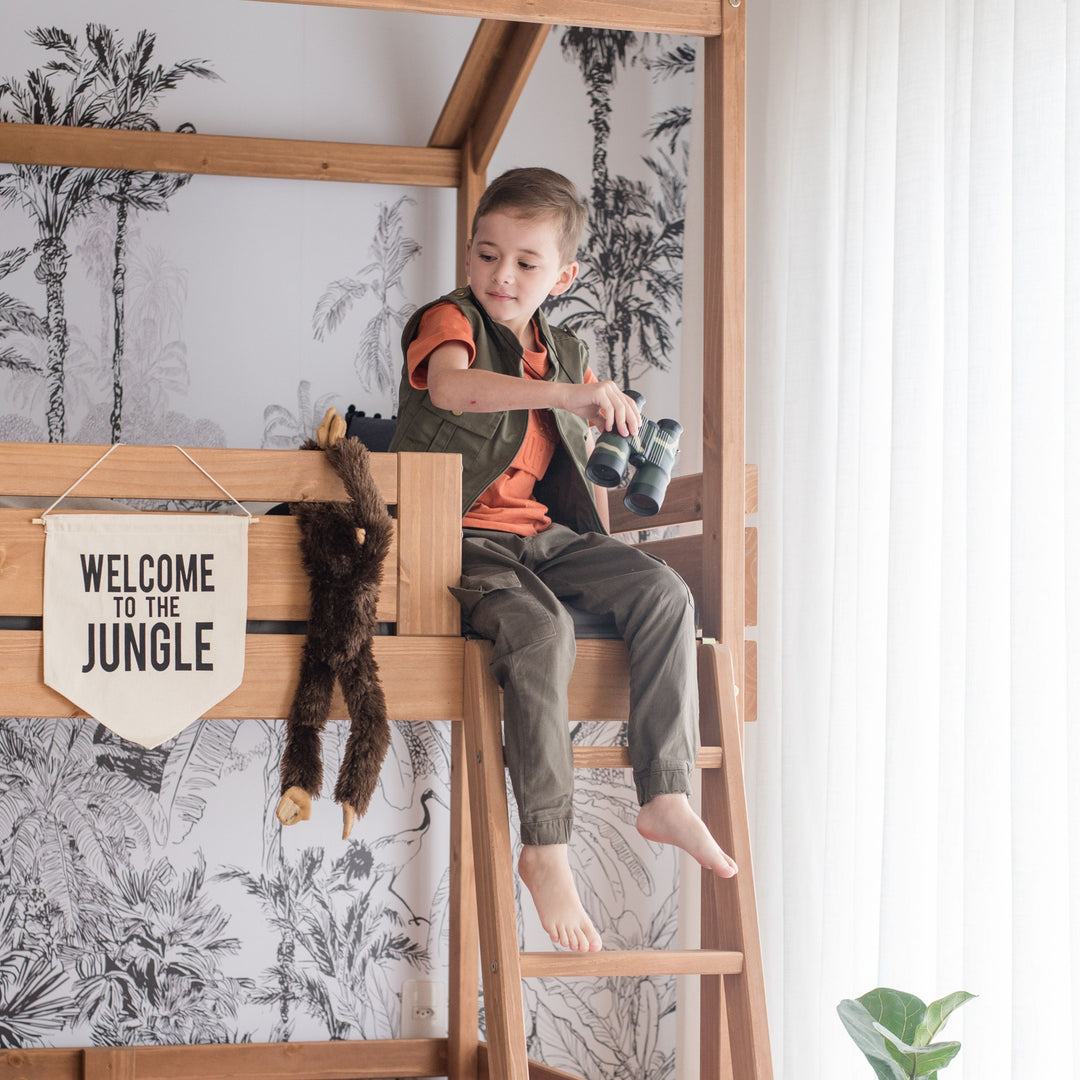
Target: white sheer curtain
(914, 406)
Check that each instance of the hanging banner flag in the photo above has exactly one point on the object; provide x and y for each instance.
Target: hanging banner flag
(144, 616)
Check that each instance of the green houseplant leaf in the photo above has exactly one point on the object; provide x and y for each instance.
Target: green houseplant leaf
(937, 1012)
(894, 1029)
(860, 1026)
(918, 1060)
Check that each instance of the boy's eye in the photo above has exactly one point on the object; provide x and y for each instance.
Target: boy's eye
(486, 258)
(527, 266)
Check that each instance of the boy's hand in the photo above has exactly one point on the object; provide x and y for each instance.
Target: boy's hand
(604, 406)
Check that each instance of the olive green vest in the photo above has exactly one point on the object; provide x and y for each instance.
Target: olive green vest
(488, 442)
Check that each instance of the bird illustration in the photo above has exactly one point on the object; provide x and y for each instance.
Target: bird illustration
(394, 852)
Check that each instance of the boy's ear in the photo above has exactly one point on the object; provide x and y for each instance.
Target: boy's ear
(565, 279)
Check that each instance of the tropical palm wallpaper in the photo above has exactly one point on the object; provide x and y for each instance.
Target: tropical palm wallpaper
(149, 896)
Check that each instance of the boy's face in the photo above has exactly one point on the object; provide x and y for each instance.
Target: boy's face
(514, 265)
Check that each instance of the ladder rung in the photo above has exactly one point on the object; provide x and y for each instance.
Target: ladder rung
(536, 965)
(618, 757)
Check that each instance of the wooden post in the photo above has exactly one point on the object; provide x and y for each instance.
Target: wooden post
(724, 452)
(464, 1012)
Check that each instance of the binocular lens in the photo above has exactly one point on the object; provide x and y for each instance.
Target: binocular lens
(607, 464)
(646, 490)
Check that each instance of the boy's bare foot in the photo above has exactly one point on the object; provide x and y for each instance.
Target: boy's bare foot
(545, 870)
(670, 819)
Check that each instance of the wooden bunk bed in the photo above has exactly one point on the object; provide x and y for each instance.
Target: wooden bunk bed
(715, 563)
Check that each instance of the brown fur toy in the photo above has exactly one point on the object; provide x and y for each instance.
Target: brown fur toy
(343, 545)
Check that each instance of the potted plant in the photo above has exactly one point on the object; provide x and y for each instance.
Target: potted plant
(896, 1030)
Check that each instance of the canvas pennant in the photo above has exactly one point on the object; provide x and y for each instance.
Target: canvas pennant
(144, 616)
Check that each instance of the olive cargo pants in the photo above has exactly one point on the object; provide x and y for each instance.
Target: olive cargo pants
(512, 592)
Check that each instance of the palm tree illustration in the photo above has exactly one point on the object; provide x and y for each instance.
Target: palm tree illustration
(34, 998)
(129, 85)
(53, 196)
(18, 319)
(599, 54)
(286, 430)
(338, 937)
(391, 251)
(151, 970)
(64, 819)
(630, 278)
(672, 123)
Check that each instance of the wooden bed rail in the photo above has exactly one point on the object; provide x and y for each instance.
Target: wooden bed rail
(423, 493)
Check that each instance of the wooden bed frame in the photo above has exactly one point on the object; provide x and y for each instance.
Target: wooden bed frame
(719, 564)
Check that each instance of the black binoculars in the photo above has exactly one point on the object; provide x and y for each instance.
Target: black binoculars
(652, 453)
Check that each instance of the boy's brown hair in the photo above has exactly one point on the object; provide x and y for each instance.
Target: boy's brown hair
(538, 193)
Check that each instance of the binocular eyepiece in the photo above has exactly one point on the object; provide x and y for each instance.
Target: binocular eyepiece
(652, 453)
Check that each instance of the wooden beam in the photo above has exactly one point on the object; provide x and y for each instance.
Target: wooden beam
(610, 962)
(700, 18)
(474, 76)
(724, 377)
(344, 1060)
(158, 472)
(508, 80)
(271, 672)
(228, 155)
(473, 182)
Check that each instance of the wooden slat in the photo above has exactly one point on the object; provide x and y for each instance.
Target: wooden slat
(683, 555)
(29, 1064)
(109, 1063)
(748, 699)
(158, 472)
(751, 496)
(365, 1060)
(750, 581)
(278, 586)
(271, 671)
(429, 538)
(228, 155)
(682, 503)
(618, 757)
(694, 17)
(608, 962)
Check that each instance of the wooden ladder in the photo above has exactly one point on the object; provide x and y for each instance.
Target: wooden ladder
(734, 1031)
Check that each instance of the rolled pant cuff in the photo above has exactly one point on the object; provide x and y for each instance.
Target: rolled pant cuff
(552, 831)
(662, 778)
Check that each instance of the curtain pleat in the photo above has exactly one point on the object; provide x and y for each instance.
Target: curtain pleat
(913, 405)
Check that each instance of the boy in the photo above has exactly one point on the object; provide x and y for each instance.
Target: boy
(486, 376)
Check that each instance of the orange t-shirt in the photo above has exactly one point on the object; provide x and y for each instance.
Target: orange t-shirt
(507, 505)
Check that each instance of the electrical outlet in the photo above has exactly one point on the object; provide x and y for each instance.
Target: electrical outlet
(423, 1009)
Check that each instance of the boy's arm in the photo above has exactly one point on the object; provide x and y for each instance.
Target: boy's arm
(456, 386)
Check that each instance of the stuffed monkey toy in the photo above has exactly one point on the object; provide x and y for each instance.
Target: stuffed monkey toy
(343, 545)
